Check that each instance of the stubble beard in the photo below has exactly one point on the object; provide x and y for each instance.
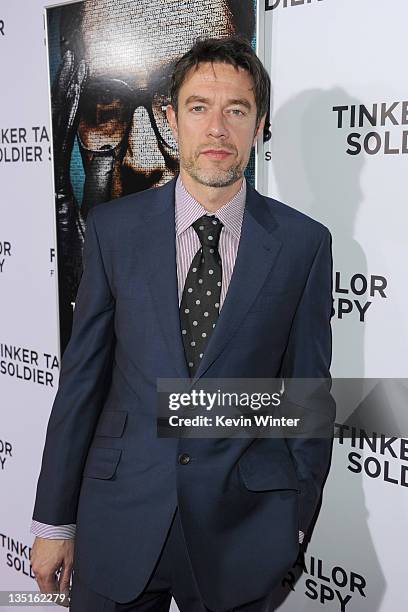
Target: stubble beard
(216, 177)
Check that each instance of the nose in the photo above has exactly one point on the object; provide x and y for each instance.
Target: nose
(143, 155)
(217, 126)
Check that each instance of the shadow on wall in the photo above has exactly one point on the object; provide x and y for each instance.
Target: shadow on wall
(340, 567)
(314, 174)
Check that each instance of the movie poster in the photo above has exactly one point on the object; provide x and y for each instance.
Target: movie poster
(110, 62)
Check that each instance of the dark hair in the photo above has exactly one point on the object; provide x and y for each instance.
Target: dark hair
(234, 50)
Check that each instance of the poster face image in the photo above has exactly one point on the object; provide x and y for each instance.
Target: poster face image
(110, 65)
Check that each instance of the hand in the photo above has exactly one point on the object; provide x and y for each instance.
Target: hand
(67, 89)
(65, 97)
(66, 93)
(48, 557)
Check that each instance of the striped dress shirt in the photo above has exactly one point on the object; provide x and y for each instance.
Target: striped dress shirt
(187, 211)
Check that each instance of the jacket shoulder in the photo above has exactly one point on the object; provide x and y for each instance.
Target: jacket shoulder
(133, 205)
(294, 219)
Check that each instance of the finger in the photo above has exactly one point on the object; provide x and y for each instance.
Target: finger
(81, 73)
(75, 88)
(63, 585)
(64, 578)
(65, 603)
(63, 76)
(69, 112)
(74, 93)
(70, 122)
(47, 583)
(66, 99)
(58, 96)
(73, 96)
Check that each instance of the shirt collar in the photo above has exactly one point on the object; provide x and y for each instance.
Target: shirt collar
(188, 210)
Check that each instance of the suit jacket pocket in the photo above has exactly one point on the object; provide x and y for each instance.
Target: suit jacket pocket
(258, 476)
(111, 423)
(102, 462)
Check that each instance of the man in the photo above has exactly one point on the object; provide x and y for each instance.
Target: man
(111, 136)
(200, 278)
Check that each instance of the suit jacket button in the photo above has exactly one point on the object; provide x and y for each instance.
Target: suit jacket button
(184, 458)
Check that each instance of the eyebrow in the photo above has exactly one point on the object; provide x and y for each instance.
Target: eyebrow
(242, 102)
(238, 101)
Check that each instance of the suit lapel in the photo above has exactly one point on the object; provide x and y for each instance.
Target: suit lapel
(161, 270)
(257, 251)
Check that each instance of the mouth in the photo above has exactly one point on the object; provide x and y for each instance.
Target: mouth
(218, 154)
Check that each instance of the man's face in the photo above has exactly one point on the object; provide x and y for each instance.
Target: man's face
(130, 48)
(216, 124)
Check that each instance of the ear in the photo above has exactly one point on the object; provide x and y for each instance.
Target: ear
(259, 129)
(172, 120)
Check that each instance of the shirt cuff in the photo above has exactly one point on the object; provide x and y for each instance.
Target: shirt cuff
(53, 532)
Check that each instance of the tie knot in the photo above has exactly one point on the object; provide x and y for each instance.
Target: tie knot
(208, 229)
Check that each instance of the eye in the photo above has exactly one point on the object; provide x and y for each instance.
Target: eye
(237, 112)
(197, 108)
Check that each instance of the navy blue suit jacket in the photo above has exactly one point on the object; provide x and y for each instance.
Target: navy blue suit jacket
(241, 501)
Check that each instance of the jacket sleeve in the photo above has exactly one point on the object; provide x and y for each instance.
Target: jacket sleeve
(85, 369)
(306, 373)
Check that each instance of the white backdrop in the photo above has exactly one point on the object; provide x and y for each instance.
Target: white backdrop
(28, 306)
(321, 54)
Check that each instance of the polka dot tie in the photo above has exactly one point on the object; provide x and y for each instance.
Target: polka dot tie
(200, 302)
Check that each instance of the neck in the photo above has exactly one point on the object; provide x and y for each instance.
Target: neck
(210, 198)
